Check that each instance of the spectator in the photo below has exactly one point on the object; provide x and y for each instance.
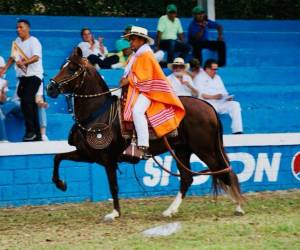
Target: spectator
(95, 51)
(27, 55)
(124, 51)
(181, 82)
(3, 90)
(211, 88)
(198, 36)
(124, 37)
(195, 68)
(2, 65)
(169, 30)
(12, 106)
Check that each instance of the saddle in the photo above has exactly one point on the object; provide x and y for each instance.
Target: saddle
(127, 127)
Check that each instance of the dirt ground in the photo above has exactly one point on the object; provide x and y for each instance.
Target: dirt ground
(272, 221)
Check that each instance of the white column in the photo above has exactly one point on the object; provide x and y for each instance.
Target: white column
(209, 7)
(211, 12)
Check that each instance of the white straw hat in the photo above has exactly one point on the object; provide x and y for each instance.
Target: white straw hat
(140, 31)
(178, 61)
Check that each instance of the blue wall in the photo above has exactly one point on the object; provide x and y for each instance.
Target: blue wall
(262, 70)
(26, 180)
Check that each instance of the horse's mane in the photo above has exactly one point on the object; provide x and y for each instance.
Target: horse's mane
(101, 81)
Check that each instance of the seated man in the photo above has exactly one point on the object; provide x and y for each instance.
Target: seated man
(212, 89)
(125, 32)
(195, 68)
(12, 106)
(168, 30)
(149, 92)
(124, 51)
(181, 82)
(198, 36)
(3, 90)
(95, 51)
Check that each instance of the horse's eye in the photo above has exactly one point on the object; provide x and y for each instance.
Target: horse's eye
(72, 68)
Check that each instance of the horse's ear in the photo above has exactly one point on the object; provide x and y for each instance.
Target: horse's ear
(78, 51)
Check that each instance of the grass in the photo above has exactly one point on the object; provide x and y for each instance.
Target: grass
(272, 221)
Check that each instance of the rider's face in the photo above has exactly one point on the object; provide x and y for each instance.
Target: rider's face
(136, 42)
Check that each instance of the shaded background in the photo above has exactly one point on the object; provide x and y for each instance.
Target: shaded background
(225, 9)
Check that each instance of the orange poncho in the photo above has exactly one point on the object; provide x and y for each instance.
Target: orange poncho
(146, 76)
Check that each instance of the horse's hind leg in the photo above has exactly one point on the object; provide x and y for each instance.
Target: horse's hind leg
(185, 182)
(228, 182)
(233, 191)
(72, 156)
(111, 172)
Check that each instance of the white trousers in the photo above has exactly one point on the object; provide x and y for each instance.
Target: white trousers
(140, 120)
(232, 108)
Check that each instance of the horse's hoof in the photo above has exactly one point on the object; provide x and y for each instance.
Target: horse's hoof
(112, 216)
(60, 185)
(239, 213)
(169, 213)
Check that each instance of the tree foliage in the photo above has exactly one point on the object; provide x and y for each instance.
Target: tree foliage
(225, 9)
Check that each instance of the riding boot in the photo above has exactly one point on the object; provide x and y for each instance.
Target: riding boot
(135, 151)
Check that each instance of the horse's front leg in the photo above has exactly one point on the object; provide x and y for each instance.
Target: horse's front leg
(72, 156)
(185, 182)
(111, 171)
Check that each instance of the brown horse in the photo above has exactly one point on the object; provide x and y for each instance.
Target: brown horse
(200, 133)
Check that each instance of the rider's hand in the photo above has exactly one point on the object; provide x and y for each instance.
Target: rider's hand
(124, 81)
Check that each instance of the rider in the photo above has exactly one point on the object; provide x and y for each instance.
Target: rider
(149, 92)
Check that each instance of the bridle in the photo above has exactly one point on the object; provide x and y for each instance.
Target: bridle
(80, 72)
(112, 116)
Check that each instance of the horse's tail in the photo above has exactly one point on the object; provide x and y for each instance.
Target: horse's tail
(227, 180)
(222, 157)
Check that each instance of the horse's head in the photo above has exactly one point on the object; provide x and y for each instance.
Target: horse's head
(70, 77)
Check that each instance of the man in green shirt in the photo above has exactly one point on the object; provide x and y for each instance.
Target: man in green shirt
(170, 34)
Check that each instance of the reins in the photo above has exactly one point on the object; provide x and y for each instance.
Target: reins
(112, 116)
(194, 173)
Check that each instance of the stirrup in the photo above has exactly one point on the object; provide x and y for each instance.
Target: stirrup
(145, 154)
(136, 152)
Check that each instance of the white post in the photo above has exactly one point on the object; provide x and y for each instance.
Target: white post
(209, 7)
(211, 12)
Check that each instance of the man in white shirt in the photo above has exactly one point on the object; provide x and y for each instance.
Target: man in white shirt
(29, 70)
(181, 82)
(211, 88)
(3, 82)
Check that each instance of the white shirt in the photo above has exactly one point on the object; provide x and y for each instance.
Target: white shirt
(30, 47)
(2, 64)
(211, 86)
(3, 83)
(87, 50)
(179, 88)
